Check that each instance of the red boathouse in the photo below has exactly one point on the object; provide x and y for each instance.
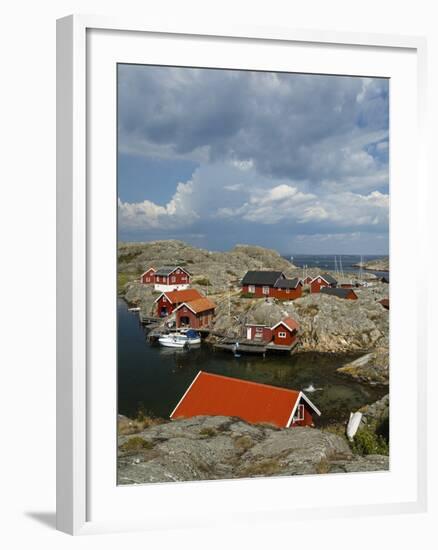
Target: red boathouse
(216, 395)
(285, 332)
(167, 302)
(196, 314)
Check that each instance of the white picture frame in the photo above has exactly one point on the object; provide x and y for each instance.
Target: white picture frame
(78, 443)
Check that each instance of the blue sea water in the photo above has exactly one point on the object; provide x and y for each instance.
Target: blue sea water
(327, 262)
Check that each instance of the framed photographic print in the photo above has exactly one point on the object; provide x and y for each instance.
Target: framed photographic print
(235, 324)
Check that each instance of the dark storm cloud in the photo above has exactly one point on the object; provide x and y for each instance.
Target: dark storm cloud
(308, 127)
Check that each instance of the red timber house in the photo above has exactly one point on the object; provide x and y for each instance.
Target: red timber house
(148, 277)
(320, 281)
(287, 289)
(171, 278)
(216, 395)
(307, 280)
(284, 333)
(196, 314)
(167, 302)
(344, 293)
(260, 284)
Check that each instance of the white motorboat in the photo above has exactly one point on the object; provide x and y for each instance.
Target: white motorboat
(134, 309)
(180, 340)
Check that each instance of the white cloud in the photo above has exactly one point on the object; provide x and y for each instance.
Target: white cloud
(255, 200)
(148, 215)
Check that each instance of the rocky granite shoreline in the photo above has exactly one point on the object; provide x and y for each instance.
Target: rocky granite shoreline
(218, 447)
(327, 324)
(382, 264)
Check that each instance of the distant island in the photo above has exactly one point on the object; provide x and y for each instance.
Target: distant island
(381, 264)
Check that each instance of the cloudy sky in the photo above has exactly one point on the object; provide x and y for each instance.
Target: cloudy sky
(289, 161)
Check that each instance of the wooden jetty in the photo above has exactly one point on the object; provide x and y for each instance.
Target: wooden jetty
(249, 346)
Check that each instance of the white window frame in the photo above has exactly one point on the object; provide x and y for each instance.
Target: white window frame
(251, 289)
(282, 334)
(299, 413)
(265, 290)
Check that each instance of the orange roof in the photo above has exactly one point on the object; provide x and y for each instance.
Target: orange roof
(200, 305)
(187, 295)
(216, 395)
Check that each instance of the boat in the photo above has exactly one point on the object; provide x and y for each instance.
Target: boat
(134, 309)
(180, 340)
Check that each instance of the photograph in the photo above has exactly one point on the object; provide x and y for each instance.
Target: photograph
(253, 287)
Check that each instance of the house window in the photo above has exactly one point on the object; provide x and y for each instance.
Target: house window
(299, 413)
(282, 335)
(266, 290)
(287, 291)
(173, 278)
(251, 289)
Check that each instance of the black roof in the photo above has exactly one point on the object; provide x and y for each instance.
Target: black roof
(339, 292)
(327, 277)
(166, 270)
(262, 277)
(288, 283)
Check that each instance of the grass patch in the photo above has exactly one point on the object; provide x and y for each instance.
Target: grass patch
(243, 443)
(323, 466)
(207, 432)
(267, 467)
(247, 295)
(128, 257)
(122, 279)
(367, 442)
(202, 281)
(136, 444)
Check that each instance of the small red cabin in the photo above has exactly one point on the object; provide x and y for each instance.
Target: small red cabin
(148, 277)
(285, 332)
(307, 280)
(258, 333)
(196, 314)
(320, 281)
(216, 395)
(167, 302)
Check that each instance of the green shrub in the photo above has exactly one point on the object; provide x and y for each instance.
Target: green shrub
(367, 442)
(135, 444)
(207, 432)
(202, 281)
(247, 295)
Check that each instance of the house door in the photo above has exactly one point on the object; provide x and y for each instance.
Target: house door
(163, 312)
(248, 333)
(185, 321)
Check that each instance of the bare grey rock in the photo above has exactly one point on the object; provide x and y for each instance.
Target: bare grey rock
(204, 448)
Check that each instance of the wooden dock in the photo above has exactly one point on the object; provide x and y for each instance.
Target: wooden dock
(249, 346)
